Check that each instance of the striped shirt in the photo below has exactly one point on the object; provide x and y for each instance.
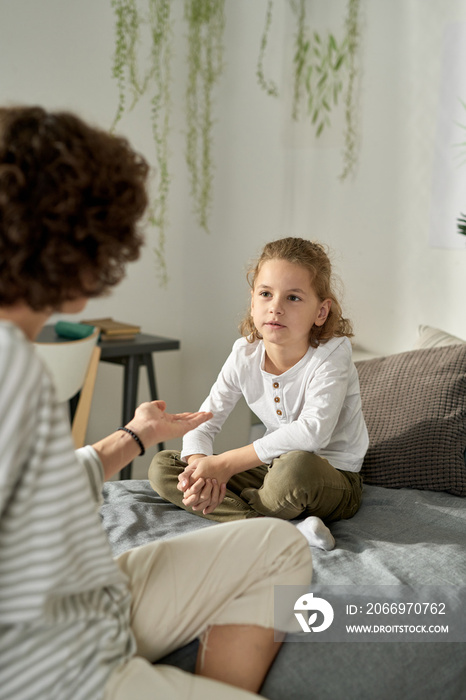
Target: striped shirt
(64, 604)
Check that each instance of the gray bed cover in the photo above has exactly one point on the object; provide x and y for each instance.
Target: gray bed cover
(398, 536)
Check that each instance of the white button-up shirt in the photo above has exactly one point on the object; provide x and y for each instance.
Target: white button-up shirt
(314, 406)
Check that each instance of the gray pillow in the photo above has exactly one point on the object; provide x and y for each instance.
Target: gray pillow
(414, 404)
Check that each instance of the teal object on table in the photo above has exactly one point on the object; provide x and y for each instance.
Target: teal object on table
(73, 331)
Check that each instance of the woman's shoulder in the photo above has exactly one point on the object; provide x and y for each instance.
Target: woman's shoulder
(18, 358)
(14, 344)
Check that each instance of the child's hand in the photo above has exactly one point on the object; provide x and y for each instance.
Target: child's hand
(205, 495)
(204, 483)
(184, 479)
(211, 467)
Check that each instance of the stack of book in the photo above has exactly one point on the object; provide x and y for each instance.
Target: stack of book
(113, 330)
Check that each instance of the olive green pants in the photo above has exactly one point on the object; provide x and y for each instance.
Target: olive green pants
(295, 484)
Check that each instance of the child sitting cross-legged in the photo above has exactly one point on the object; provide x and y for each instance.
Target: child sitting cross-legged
(294, 368)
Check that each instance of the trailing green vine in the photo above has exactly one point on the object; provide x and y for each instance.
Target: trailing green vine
(302, 46)
(125, 57)
(352, 41)
(323, 67)
(268, 85)
(161, 35)
(129, 20)
(206, 21)
(320, 64)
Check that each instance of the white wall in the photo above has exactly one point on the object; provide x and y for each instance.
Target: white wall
(272, 179)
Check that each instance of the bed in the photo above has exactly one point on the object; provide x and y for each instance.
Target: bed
(410, 531)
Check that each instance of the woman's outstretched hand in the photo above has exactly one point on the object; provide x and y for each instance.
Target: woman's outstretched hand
(152, 424)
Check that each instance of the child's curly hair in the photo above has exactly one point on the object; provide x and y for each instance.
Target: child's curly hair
(71, 197)
(313, 257)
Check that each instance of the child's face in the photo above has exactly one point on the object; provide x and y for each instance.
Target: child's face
(284, 305)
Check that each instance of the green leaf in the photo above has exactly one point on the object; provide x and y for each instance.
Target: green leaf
(322, 80)
(339, 62)
(462, 224)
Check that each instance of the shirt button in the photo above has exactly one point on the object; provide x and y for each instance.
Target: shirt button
(279, 413)
(276, 385)
(277, 399)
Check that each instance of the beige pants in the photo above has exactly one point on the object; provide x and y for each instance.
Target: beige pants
(220, 575)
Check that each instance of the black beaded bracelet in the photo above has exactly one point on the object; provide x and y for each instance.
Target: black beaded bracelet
(135, 437)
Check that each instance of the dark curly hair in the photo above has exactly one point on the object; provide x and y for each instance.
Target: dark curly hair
(314, 258)
(71, 197)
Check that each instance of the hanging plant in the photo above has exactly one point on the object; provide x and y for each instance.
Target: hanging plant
(129, 20)
(300, 58)
(323, 67)
(161, 35)
(352, 43)
(125, 57)
(206, 21)
(268, 85)
(320, 64)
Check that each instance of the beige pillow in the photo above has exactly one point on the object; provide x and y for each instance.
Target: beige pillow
(433, 338)
(414, 404)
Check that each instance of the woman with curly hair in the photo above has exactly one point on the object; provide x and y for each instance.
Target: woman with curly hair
(294, 368)
(74, 622)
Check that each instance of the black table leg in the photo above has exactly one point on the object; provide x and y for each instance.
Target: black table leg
(147, 359)
(130, 393)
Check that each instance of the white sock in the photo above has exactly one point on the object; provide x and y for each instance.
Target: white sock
(316, 533)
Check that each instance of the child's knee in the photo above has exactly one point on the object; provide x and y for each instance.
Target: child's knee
(164, 470)
(300, 467)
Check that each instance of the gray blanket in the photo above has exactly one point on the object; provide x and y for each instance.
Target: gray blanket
(399, 536)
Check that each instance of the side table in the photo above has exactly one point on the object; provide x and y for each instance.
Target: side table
(131, 354)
